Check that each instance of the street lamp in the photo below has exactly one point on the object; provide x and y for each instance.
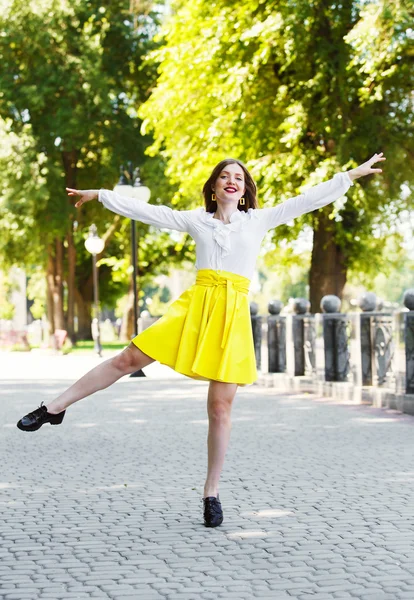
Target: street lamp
(94, 244)
(129, 184)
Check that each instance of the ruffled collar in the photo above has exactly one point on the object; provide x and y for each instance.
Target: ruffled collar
(237, 219)
(221, 231)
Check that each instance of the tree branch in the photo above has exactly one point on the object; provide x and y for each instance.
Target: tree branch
(109, 233)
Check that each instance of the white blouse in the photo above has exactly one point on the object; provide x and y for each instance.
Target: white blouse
(234, 246)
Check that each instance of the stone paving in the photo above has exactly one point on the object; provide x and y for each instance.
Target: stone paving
(317, 497)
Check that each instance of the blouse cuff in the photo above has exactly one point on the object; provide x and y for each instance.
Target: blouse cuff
(349, 178)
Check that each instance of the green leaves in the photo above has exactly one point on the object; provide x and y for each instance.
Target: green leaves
(298, 90)
(72, 76)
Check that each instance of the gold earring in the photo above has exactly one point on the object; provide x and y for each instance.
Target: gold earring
(242, 201)
(213, 197)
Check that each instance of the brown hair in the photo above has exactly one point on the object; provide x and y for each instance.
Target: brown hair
(249, 195)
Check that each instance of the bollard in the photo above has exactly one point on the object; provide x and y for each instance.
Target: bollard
(408, 301)
(335, 339)
(367, 302)
(257, 333)
(276, 338)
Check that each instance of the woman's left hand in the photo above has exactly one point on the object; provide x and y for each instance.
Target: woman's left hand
(366, 167)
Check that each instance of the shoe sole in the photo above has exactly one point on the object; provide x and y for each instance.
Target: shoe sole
(23, 428)
(214, 524)
(218, 524)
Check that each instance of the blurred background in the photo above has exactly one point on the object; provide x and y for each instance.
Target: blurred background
(97, 95)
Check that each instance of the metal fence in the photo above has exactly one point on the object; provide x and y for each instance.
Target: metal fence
(367, 349)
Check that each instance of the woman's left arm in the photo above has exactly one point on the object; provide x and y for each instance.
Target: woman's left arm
(317, 196)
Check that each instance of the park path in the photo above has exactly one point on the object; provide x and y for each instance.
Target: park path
(317, 496)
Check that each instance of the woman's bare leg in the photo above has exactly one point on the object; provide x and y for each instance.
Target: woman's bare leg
(129, 360)
(219, 403)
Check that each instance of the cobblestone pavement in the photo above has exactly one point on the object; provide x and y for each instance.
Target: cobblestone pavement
(317, 497)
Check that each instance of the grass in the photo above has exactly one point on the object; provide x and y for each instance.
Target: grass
(87, 346)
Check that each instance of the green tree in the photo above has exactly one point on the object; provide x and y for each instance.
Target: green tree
(71, 77)
(298, 90)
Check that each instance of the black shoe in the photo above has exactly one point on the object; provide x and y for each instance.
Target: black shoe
(213, 515)
(35, 419)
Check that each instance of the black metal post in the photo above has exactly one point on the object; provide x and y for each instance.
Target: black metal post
(96, 333)
(336, 352)
(276, 343)
(366, 348)
(256, 321)
(298, 327)
(134, 252)
(409, 351)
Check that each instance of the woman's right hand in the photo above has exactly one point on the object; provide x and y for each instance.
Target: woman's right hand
(85, 195)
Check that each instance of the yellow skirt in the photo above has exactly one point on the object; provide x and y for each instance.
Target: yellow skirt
(206, 333)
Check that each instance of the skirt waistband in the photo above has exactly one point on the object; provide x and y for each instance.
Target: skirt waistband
(233, 284)
(211, 278)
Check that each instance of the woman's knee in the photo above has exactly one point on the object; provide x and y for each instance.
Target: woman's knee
(220, 400)
(219, 411)
(131, 359)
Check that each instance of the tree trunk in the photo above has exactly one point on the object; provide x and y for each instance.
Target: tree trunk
(58, 288)
(83, 312)
(49, 292)
(127, 327)
(328, 268)
(55, 287)
(71, 285)
(70, 159)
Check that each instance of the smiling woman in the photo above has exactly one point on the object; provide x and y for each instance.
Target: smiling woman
(206, 333)
(232, 183)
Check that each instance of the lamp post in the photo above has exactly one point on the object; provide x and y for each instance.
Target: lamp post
(94, 244)
(129, 184)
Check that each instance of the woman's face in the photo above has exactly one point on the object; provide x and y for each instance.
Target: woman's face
(229, 186)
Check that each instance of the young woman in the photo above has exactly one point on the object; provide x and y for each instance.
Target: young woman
(206, 333)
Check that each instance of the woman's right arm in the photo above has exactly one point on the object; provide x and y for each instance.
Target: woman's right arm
(159, 216)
